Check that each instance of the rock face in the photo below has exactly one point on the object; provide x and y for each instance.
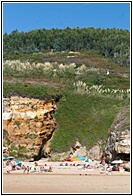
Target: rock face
(94, 153)
(28, 126)
(118, 144)
(78, 150)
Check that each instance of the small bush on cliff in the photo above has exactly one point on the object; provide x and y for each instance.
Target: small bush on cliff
(13, 147)
(14, 154)
(27, 135)
(22, 149)
(8, 141)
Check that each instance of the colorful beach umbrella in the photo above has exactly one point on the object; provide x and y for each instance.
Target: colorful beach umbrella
(4, 158)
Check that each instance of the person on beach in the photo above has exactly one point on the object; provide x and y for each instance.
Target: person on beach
(28, 169)
(41, 169)
(96, 166)
(25, 168)
(8, 169)
(102, 160)
(108, 169)
(36, 164)
(50, 169)
(7, 163)
(13, 167)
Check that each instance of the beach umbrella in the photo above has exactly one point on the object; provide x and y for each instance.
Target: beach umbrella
(117, 161)
(18, 162)
(4, 158)
(10, 157)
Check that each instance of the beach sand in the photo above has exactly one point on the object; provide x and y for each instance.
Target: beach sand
(66, 179)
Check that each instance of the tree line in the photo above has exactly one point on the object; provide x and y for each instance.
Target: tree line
(112, 43)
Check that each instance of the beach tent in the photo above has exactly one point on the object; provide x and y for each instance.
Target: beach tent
(81, 158)
(75, 159)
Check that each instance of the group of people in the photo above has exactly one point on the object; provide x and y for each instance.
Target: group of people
(36, 168)
(108, 167)
(12, 166)
(103, 165)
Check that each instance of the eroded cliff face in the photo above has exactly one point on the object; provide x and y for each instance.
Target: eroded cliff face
(118, 144)
(28, 125)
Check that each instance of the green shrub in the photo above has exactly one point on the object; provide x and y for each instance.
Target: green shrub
(8, 141)
(13, 147)
(27, 135)
(22, 149)
(14, 154)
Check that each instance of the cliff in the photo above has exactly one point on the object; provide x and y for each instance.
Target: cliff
(118, 144)
(28, 126)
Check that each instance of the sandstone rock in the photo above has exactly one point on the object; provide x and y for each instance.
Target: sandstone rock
(29, 122)
(39, 124)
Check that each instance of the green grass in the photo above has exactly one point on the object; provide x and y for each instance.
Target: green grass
(35, 91)
(85, 118)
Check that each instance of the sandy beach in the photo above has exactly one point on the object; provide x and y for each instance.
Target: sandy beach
(66, 179)
(65, 184)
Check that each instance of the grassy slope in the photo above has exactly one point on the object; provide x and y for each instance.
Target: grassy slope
(85, 117)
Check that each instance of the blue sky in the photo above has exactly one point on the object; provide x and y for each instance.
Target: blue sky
(30, 16)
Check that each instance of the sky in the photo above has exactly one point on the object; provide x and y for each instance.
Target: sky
(23, 16)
